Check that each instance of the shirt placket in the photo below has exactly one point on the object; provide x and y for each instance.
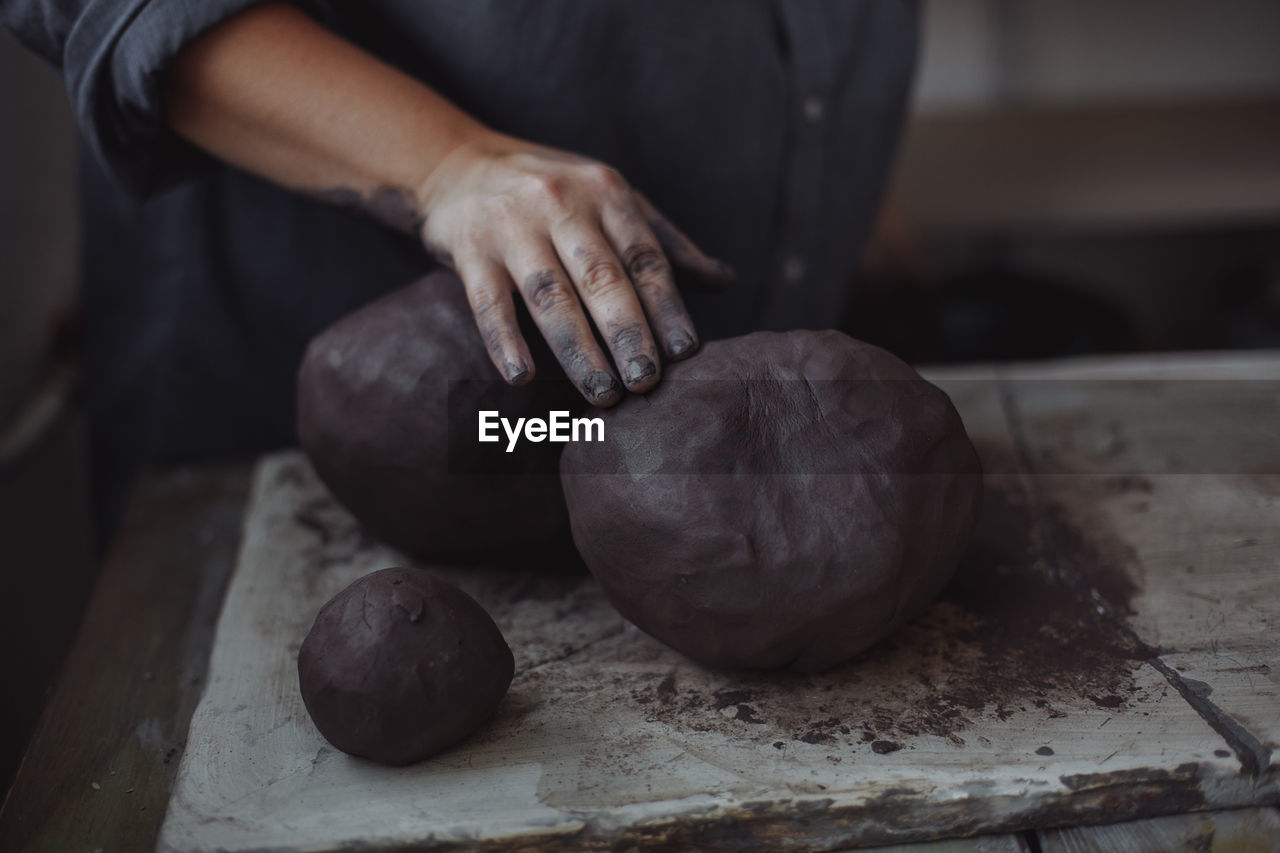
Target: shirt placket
(815, 30)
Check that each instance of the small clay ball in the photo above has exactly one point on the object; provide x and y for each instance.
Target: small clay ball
(401, 665)
(780, 500)
(388, 399)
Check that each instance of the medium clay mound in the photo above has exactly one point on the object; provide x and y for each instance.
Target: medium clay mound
(780, 500)
(388, 400)
(401, 665)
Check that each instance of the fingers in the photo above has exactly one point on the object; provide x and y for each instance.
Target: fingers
(578, 244)
(703, 272)
(489, 288)
(554, 306)
(650, 274)
(611, 300)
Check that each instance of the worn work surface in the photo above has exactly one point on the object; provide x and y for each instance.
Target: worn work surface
(1108, 650)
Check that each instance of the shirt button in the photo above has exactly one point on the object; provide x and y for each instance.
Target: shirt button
(814, 109)
(793, 270)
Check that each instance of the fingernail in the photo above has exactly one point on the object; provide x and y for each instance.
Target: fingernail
(516, 370)
(599, 386)
(640, 368)
(681, 344)
(725, 271)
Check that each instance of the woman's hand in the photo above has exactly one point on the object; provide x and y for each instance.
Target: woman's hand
(574, 240)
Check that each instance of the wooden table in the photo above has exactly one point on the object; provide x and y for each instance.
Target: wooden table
(1157, 503)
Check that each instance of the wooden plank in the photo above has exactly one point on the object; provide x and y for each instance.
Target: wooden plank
(1008, 704)
(1177, 480)
(1243, 830)
(98, 769)
(981, 844)
(1241, 686)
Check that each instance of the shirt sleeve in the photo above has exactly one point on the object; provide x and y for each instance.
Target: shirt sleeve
(113, 56)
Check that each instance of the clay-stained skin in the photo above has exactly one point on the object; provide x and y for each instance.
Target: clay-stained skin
(401, 665)
(387, 406)
(550, 297)
(395, 207)
(780, 500)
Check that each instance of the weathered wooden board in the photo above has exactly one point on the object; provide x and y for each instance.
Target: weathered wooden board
(1177, 475)
(1238, 831)
(1031, 694)
(982, 844)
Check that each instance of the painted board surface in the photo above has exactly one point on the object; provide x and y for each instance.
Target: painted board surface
(1043, 688)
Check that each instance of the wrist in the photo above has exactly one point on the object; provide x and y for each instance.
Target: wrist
(469, 148)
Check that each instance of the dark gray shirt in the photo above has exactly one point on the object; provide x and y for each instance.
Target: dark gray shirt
(763, 128)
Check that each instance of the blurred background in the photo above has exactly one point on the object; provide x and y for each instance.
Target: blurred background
(1077, 178)
(1084, 177)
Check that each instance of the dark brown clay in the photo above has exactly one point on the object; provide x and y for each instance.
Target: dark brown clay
(401, 665)
(780, 500)
(387, 412)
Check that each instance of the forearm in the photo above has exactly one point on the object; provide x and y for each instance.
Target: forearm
(273, 92)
